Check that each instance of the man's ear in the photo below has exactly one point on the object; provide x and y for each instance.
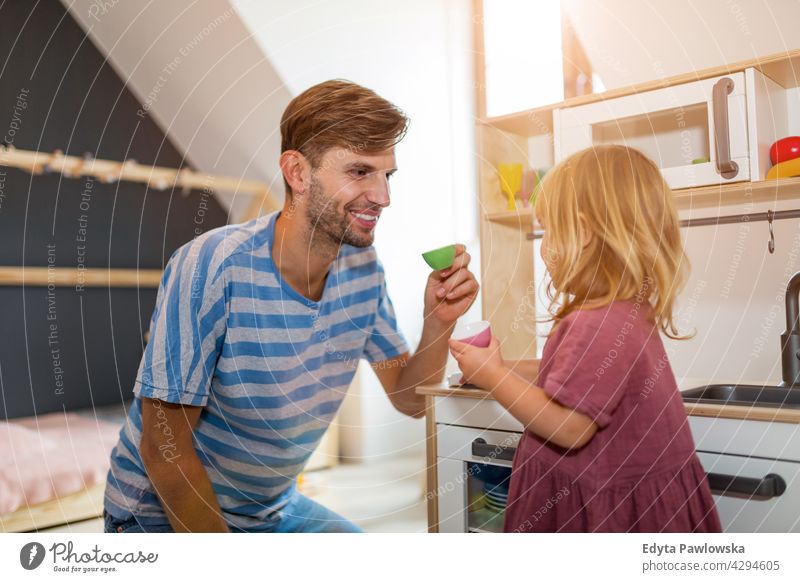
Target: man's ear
(296, 171)
(585, 232)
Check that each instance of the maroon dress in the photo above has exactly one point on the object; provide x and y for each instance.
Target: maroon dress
(639, 472)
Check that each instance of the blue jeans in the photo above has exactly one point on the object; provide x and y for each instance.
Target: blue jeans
(300, 515)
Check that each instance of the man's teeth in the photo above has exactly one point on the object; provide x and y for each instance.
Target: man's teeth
(370, 217)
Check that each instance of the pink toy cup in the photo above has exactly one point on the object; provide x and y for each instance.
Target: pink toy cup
(475, 333)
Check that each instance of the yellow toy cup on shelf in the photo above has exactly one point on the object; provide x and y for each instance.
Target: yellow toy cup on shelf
(510, 181)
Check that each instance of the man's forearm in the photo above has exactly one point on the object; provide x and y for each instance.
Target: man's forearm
(186, 494)
(426, 366)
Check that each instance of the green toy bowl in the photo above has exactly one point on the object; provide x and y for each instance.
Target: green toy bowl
(442, 258)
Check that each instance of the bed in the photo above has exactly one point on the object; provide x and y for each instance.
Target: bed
(53, 467)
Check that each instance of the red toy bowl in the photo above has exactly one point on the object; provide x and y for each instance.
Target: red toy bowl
(785, 149)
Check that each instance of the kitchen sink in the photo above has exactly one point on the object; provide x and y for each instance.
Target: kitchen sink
(744, 395)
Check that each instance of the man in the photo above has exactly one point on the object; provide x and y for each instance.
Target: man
(258, 329)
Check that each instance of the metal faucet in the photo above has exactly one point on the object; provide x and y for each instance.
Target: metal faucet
(790, 339)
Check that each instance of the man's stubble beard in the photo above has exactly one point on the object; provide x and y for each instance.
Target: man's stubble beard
(326, 227)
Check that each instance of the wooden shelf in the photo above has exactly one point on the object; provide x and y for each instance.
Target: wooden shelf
(780, 67)
(516, 218)
(738, 193)
(528, 123)
(523, 215)
(690, 198)
(687, 199)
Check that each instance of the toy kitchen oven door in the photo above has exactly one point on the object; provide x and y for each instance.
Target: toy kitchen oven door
(473, 471)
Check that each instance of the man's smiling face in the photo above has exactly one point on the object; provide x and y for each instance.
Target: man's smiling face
(348, 192)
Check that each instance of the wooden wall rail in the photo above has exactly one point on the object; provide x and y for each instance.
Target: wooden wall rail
(158, 177)
(73, 277)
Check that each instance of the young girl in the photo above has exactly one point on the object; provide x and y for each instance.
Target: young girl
(607, 445)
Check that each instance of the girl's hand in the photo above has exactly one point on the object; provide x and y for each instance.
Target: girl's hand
(480, 366)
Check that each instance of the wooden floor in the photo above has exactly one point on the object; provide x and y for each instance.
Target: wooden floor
(381, 496)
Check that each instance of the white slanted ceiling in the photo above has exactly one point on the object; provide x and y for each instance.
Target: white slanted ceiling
(630, 41)
(196, 69)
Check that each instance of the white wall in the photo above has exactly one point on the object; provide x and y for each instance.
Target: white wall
(734, 300)
(630, 41)
(417, 55)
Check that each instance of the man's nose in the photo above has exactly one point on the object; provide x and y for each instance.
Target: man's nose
(379, 192)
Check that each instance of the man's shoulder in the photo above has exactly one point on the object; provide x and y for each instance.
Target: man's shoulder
(215, 247)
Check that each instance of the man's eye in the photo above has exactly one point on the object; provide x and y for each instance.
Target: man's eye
(359, 173)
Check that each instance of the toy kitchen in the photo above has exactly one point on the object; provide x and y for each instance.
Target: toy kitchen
(725, 141)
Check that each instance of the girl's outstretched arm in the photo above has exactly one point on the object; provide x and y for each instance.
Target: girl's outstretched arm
(539, 413)
(527, 369)
(528, 403)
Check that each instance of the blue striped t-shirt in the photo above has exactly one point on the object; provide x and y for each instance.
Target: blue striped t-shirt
(269, 366)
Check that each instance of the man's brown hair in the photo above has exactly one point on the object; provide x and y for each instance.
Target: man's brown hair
(340, 113)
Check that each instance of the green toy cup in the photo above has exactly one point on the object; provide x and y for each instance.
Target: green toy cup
(442, 258)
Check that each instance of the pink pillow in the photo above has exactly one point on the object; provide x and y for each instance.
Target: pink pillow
(50, 456)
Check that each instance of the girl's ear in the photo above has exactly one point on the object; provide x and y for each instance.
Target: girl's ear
(296, 170)
(585, 233)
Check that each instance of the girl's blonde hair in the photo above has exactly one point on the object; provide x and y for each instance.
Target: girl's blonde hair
(635, 251)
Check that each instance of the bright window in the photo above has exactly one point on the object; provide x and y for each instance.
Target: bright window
(523, 54)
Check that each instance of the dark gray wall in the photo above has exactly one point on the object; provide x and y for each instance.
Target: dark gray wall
(66, 348)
